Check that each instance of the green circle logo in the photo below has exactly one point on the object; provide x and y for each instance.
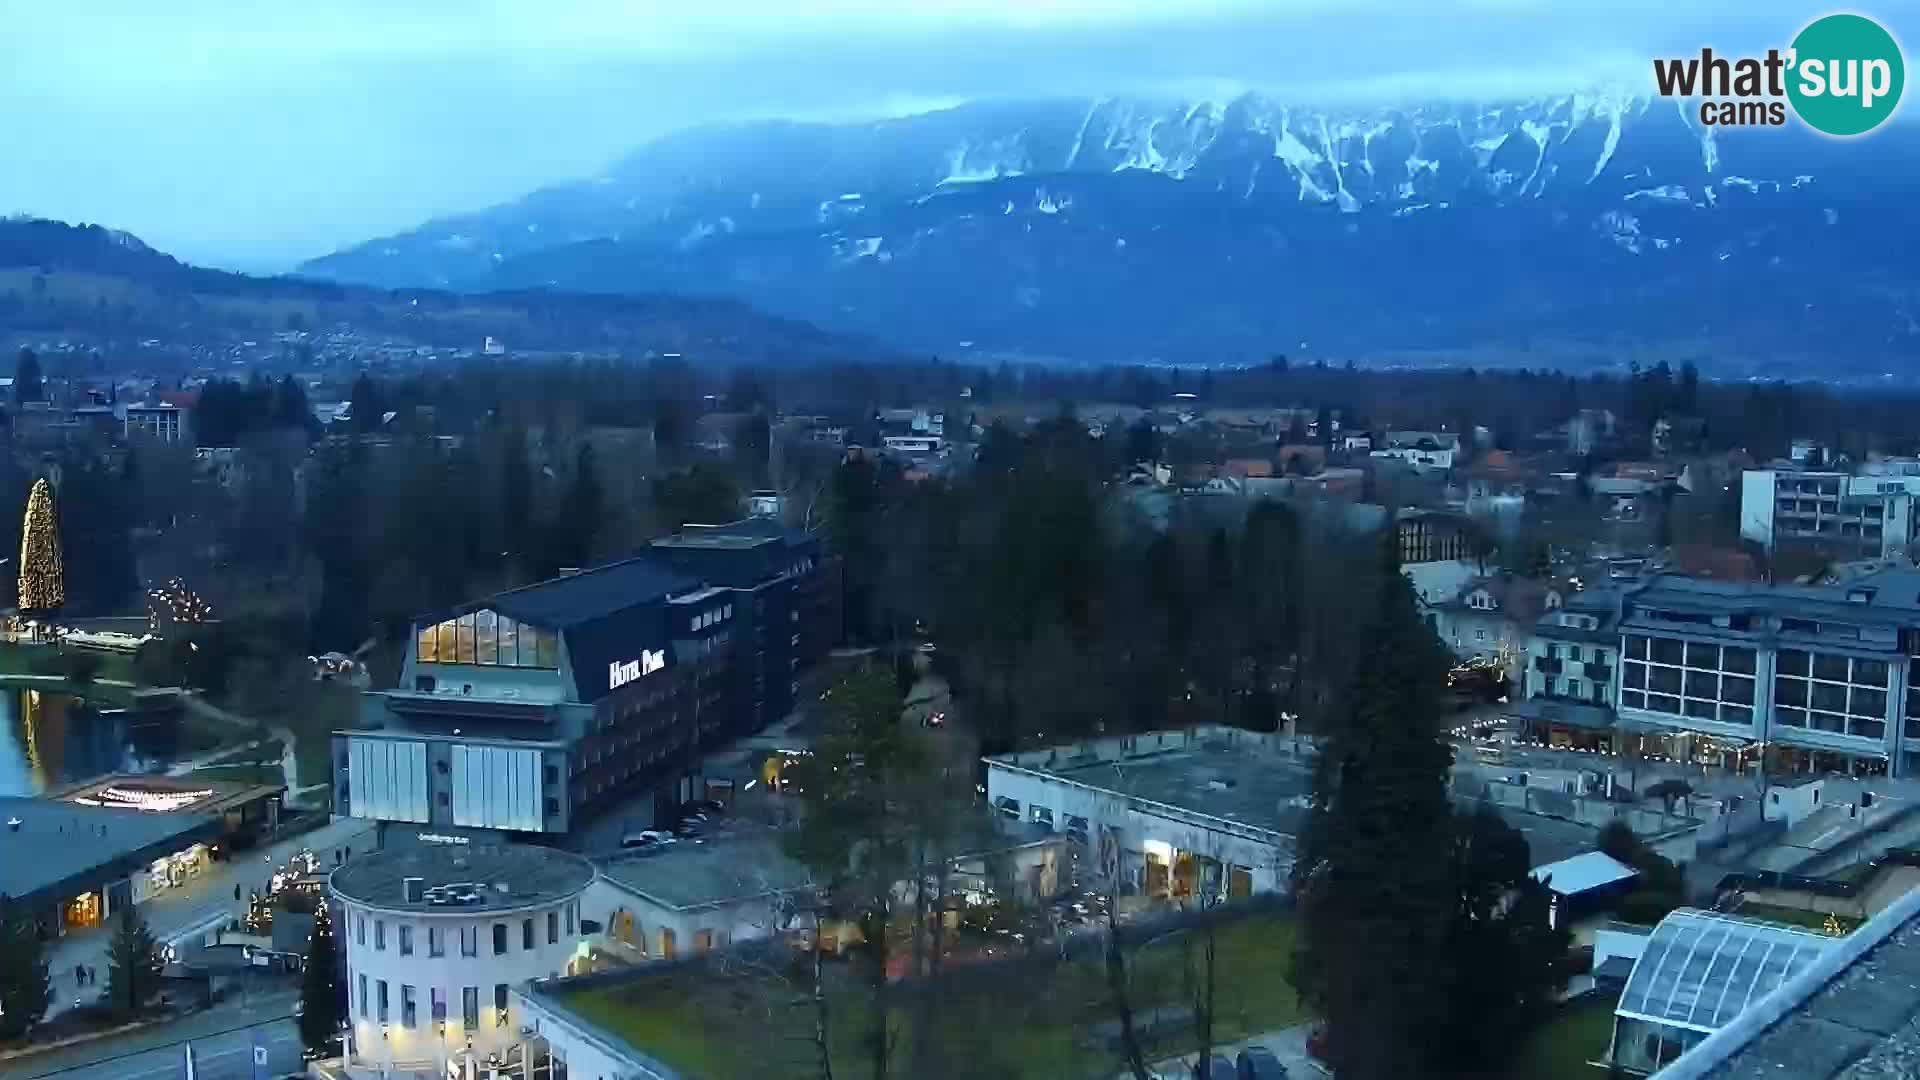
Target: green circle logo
(1847, 74)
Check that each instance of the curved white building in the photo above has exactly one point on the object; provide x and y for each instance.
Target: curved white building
(435, 938)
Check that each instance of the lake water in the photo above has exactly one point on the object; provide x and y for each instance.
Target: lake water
(50, 739)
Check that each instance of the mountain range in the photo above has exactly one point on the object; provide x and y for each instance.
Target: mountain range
(105, 285)
(1591, 227)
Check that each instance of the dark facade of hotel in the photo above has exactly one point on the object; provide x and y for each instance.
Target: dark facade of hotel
(537, 708)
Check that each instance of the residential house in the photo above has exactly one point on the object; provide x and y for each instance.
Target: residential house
(1493, 617)
(1572, 655)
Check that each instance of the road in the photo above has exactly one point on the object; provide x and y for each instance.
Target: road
(220, 1057)
(203, 902)
(222, 1047)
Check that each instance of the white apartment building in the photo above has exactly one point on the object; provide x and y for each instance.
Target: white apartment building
(1872, 512)
(1211, 811)
(437, 936)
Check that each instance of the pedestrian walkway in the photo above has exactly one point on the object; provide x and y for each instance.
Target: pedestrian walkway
(201, 903)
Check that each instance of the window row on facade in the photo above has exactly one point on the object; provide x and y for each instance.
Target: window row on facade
(488, 638)
(377, 1005)
(1843, 695)
(405, 941)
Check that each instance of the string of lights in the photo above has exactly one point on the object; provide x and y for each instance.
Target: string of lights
(174, 602)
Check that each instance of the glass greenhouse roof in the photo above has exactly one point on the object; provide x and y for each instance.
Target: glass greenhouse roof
(1700, 970)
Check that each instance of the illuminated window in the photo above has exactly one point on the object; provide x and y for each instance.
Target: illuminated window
(509, 641)
(486, 638)
(547, 653)
(463, 652)
(470, 1007)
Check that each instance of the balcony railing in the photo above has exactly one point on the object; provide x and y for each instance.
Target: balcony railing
(1599, 673)
(1547, 664)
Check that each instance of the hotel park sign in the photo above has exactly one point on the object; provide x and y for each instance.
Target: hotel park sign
(622, 672)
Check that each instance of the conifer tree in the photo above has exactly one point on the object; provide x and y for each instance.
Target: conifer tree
(133, 964)
(42, 580)
(1374, 872)
(25, 988)
(320, 1011)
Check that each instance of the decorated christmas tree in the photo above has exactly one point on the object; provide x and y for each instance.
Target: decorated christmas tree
(42, 582)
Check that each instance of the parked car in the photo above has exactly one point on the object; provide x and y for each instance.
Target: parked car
(646, 838)
(1259, 1063)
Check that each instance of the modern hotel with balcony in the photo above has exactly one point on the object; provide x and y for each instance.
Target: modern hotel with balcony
(533, 708)
(1815, 678)
(537, 708)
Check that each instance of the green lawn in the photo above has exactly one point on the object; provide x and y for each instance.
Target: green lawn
(1563, 1048)
(1024, 1018)
(1810, 920)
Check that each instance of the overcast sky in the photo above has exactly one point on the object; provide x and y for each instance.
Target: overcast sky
(254, 134)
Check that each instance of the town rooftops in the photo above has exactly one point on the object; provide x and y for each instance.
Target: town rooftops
(590, 594)
(51, 847)
(1852, 1014)
(501, 877)
(1886, 601)
(1237, 777)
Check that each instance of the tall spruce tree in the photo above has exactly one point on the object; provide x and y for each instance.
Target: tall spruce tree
(320, 1005)
(133, 964)
(1374, 873)
(42, 580)
(25, 987)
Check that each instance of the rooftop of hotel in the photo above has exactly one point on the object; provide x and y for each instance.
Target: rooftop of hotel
(588, 594)
(1885, 601)
(505, 876)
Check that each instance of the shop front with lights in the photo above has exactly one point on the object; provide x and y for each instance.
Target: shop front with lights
(77, 865)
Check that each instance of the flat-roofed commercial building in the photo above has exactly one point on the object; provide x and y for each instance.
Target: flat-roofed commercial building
(1821, 679)
(1210, 811)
